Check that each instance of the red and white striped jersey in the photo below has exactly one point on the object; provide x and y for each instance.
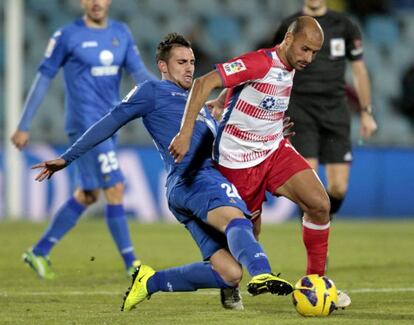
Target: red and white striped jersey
(259, 86)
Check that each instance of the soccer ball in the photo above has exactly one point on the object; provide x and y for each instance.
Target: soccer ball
(315, 295)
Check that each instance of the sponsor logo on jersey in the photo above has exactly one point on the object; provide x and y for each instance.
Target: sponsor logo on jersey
(271, 103)
(89, 44)
(105, 71)
(106, 57)
(174, 93)
(337, 47)
(234, 67)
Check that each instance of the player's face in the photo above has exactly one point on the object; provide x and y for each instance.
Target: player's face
(302, 49)
(96, 10)
(315, 4)
(180, 67)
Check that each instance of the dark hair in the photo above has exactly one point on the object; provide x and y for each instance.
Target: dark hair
(168, 43)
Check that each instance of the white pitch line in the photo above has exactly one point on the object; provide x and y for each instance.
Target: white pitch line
(201, 292)
(375, 290)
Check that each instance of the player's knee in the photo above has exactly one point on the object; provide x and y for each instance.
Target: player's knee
(232, 274)
(86, 197)
(115, 194)
(318, 212)
(338, 190)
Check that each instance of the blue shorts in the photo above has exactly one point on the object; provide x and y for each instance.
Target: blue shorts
(99, 167)
(190, 200)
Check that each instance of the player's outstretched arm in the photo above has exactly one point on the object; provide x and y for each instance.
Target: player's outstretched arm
(202, 88)
(49, 167)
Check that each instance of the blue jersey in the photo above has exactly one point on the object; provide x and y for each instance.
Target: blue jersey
(92, 59)
(161, 106)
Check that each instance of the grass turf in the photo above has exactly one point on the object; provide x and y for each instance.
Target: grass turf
(373, 261)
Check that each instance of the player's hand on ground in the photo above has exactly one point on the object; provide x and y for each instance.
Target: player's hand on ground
(216, 108)
(287, 125)
(20, 139)
(179, 147)
(49, 168)
(368, 126)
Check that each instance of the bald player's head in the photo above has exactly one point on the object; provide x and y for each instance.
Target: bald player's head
(307, 25)
(302, 42)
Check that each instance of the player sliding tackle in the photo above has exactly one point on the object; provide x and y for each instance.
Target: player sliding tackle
(198, 195)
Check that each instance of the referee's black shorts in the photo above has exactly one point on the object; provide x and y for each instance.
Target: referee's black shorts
(323, 128)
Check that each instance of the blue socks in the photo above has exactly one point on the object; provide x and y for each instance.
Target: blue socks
(65, 219)
(118, 226)
(245, 248)
(186, 278)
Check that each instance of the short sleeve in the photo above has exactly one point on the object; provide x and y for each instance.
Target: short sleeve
(244, 68)
(55, 55)
(354, 50)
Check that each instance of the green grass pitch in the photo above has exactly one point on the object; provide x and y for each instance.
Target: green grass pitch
(372, 261)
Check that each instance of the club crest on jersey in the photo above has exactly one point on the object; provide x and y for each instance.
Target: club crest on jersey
(234, 67)
(115, 41)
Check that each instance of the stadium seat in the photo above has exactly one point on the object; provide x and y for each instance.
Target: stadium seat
(382, 30)
(200, 8)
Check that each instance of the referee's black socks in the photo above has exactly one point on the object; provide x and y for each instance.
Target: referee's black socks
(336, 204)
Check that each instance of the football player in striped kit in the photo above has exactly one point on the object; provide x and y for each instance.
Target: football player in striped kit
(250, 149)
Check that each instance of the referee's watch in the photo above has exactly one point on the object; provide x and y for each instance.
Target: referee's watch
(367, 109)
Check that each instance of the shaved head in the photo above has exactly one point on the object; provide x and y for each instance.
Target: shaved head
(303, 40)
(307, 25)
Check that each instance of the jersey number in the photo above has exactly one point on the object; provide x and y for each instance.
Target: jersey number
(108, 162)
(231, 190)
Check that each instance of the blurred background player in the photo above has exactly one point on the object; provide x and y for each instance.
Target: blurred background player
(318, 104)
(92, 51)
(198, 195)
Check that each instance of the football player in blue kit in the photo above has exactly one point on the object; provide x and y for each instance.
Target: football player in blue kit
(198, 195)
(92, 51)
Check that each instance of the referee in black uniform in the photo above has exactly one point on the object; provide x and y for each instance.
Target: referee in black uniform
(318, 103)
